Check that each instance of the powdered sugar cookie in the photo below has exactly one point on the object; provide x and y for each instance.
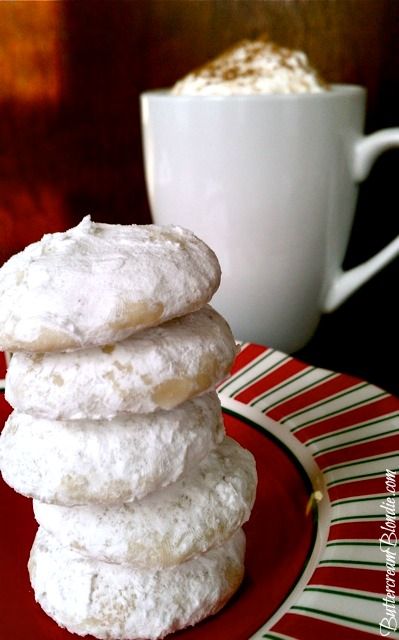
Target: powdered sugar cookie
(99, 283)
(119, 602)
(169, 526)
(156, 368)
(89, 461)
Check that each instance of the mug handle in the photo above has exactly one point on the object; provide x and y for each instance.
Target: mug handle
(366, 150)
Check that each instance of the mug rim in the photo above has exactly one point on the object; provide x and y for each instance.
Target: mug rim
(336, 90)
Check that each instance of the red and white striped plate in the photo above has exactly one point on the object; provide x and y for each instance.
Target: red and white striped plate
(351, 431)
(323, 443)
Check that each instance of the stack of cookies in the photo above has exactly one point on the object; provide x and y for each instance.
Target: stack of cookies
(117, 431)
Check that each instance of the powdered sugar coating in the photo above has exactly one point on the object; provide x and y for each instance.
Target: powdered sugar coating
(118, 602)
(107, 462)
(169, 526)
(157, 368)
(252, 67)
(98, 283)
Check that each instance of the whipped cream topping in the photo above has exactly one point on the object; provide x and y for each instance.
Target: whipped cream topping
(253, 67)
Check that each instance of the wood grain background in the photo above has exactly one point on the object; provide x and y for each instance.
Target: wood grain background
(70, 77)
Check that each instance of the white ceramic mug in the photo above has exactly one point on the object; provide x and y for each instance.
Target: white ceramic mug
(270, 183)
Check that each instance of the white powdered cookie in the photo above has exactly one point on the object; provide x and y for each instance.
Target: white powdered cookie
(99, 283)
(169, 526)
(107, 462)
(156, 368)
(119, 602)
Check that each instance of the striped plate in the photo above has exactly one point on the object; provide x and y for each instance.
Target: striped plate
(315, 566)
(351, 431)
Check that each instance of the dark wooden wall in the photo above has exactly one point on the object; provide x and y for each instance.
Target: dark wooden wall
(71, 73)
